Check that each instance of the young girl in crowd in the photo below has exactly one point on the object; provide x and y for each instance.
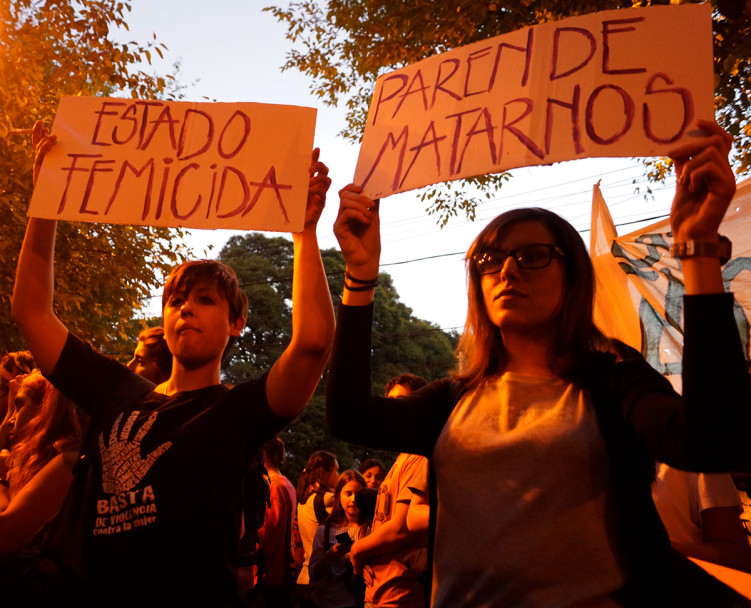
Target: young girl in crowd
(334, 582)
(373, 471)
(315, 499)
(542, 443)
(36, 473)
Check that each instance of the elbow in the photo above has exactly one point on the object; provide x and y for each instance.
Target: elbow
(24, 311)
(338, 419)
(17, 309)
(316, 346)
(321, 350)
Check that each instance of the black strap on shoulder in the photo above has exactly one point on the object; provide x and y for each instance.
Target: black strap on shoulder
(326, 534)
(319, 506)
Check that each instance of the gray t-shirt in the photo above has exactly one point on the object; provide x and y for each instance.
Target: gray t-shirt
(524, 497)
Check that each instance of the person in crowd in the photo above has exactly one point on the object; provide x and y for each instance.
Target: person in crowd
(159, 505)
(543, 441)
(275, 536)
(315, 499)
(393, 557)
(152, 358)
(334, 583)
(36, 473)
(373, 471)
(701, 513)
(11, 365)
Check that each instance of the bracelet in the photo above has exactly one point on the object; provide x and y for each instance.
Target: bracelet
(361, 287)
(349, 277)
(689, 249)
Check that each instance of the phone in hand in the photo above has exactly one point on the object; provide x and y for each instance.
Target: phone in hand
(344, 539)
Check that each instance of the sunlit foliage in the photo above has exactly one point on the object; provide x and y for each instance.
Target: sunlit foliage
(48, 49)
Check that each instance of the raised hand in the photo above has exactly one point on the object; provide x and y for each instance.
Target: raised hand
(357, 228)
(706, 184)
(42, 142)
(123, 467)
(318, 187)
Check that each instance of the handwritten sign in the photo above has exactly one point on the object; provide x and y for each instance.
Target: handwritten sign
(165, 163)
(616, 83)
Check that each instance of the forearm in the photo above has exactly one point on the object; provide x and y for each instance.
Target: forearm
(716, 390)
(724, 553)
(348, 390)
(295, 375)
(391, 536)
(32, 303)
(312, 310)
(702, 275)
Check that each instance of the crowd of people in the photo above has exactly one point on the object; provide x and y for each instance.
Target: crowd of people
(532, 476)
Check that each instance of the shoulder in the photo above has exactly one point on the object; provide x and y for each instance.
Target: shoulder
(69, 458)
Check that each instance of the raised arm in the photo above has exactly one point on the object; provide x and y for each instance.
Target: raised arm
(358, 230)
(296, 373)
(704, 189)
(407, 424)
(707, 429)
(32, 303)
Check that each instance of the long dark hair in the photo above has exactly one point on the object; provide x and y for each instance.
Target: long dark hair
(481, 352)
(337, 512)
(57, 427)
(315, 474)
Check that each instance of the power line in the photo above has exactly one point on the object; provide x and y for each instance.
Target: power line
(273, 281)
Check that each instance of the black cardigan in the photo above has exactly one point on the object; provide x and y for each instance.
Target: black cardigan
(641, 418)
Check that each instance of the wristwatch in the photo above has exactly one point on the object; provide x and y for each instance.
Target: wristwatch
(722, 249)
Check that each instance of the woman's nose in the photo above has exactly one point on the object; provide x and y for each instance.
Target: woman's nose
(510, 267)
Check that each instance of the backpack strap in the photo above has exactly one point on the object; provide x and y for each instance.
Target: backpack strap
(326, 535)
(319, 506)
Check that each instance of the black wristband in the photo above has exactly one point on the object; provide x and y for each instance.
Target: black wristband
(361, 287)
(349, 277)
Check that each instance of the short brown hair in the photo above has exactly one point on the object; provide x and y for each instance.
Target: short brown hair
(196, 272)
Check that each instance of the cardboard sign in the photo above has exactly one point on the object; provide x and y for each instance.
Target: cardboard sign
(615, 83)
(169, 163)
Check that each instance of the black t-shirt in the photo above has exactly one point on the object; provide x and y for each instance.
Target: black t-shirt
(161, 506)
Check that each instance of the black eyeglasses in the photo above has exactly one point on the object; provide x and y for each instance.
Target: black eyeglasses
(532, 256)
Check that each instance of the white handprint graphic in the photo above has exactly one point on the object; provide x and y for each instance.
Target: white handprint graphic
(122, 464)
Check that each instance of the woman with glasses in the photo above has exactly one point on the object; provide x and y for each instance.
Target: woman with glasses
(543, 440)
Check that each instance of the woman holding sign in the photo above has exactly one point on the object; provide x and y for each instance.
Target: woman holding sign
(545, 435)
